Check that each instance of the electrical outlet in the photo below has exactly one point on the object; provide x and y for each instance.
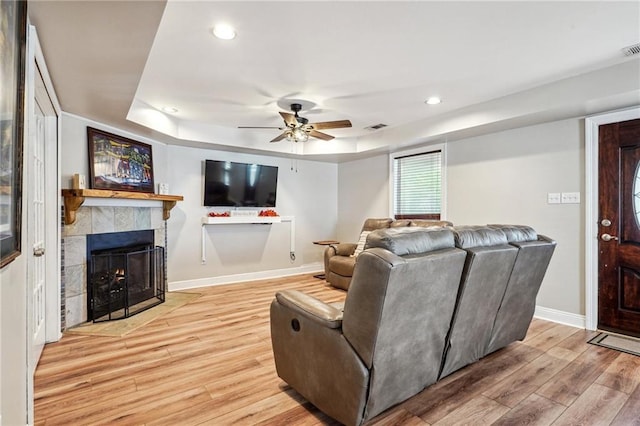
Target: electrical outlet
(570, 198)
(553, 198)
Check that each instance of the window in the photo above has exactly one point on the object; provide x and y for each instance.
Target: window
(417, 184)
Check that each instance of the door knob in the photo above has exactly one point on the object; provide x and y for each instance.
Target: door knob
(37, 252)
(607, 237)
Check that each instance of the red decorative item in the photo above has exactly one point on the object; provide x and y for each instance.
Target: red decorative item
(214, 214)
(268, 213)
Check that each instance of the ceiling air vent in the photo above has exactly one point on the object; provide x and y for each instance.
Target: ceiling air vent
(375, 127)
(631, 50)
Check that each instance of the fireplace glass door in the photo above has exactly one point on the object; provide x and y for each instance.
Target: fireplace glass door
(126, 281)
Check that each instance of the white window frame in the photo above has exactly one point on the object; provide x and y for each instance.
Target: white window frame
(423, 150)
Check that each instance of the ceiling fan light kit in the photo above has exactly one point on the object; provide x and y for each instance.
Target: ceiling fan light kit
(297, 135)
(298, 129)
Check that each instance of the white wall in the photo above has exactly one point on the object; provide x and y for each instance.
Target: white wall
(499, 178)
(13, 340)
(307, 192)
(363, 192)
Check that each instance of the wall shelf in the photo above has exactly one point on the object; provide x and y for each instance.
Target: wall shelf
(235, 220)
(73, 199)
(242, 219)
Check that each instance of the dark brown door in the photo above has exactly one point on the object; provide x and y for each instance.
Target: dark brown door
(619, 228)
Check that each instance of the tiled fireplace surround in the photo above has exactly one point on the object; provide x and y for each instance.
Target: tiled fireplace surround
(97, 220)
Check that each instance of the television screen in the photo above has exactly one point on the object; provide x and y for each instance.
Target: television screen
(239, 185)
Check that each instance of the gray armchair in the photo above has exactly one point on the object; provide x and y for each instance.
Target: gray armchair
(339, 259)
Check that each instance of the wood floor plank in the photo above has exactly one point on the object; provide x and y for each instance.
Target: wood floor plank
(566, 386)
(535, 410)
(551, 337)
(623, 374)
(629, 414)
(522, 383)
(398, 416)
(577, 342)
(598, 405)
(479, 411)
(210, 362)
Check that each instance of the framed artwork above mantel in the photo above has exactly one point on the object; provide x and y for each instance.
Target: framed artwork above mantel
(119, 164)
(13, 33)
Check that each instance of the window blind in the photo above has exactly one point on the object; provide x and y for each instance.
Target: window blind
(417, 184)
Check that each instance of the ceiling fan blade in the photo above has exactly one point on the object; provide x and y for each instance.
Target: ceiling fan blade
(320, 135)
(279, 138)
(331, 124)
(260, 127)
(289, 118)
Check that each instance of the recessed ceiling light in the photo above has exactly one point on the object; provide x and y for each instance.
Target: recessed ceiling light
(434, 100)
(224, 32)
(170, 110)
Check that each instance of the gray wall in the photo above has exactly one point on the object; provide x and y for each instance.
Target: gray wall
(505, 177)
(306, 190)
(502, 177)
(363, 192)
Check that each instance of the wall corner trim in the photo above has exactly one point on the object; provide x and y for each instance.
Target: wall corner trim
(250, 276)
(560, 317)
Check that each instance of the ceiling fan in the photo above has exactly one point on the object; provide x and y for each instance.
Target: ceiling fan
(298, 129)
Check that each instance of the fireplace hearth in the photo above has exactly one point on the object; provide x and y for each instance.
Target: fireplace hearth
(125, 274)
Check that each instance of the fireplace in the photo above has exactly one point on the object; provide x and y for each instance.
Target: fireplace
(125, 274)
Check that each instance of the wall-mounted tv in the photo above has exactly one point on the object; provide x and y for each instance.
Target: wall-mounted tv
(229, 184)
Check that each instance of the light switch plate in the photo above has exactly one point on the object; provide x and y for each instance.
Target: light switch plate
(570, 198)
(553, 198)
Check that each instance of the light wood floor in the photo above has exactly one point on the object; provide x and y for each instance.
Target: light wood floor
(210, 362)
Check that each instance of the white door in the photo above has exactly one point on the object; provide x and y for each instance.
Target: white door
(36, 234)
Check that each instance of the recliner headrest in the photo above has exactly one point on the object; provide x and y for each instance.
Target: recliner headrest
(372, 224)
(478, 236)
(404, 241)
(517, 233)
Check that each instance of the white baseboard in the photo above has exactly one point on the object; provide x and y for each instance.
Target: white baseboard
(316, 267)
(561, 317)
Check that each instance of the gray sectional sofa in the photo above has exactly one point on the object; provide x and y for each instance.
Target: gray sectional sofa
(422, 304)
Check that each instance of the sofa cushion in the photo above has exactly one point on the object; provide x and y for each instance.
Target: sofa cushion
(467, 237)
(342, 265)
(416, 240)
(517, 233)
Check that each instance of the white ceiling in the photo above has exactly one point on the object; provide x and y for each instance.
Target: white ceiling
(494, 64)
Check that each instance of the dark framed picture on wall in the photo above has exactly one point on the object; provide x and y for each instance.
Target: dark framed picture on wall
(13, 34)
(118, 163)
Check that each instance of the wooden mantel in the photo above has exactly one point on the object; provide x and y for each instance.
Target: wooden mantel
(73, 199)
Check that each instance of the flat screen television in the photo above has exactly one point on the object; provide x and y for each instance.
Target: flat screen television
(229, 184)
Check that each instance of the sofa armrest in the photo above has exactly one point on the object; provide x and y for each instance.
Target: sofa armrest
(310, 307)
(343, 249)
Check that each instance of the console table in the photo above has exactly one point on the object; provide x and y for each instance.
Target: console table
(322, 276)
(256, 220)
